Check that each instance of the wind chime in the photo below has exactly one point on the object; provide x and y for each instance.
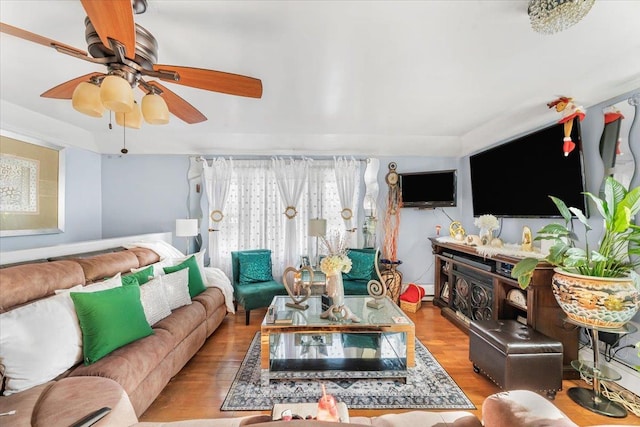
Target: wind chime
(391, 277)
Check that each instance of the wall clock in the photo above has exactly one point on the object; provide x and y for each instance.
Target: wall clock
(392, 177)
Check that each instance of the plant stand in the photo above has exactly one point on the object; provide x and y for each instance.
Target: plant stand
(592, 399)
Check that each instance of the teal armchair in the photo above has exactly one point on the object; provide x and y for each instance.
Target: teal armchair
(253, 284)
(363, 269)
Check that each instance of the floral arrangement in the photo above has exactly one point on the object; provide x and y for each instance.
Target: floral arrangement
(336, 260)
(487, 222)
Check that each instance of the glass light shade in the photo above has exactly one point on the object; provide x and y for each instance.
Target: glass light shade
(86, 99)
(155, 110)
(116, 94)
(132, 119)
(551, 16)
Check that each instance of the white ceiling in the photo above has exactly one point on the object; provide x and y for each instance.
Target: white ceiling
(429, 78)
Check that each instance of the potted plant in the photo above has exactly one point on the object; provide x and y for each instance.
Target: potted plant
(598, 286)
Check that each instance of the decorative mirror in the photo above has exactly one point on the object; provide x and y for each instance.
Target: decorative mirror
(615, 145)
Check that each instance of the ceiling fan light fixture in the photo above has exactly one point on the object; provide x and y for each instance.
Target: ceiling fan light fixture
(86, 99)
(154, 109)
(116, 94)
(132, 119)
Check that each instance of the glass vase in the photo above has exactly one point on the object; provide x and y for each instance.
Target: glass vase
(335, 288)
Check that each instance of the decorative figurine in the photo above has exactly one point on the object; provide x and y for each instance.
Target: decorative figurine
(527, 240)
(569, 111)
(301, 291)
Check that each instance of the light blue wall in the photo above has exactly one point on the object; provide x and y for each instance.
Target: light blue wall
(417, 225)
(83, 205)
(143, 193)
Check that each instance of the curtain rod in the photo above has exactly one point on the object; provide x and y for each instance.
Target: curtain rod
(200, 158)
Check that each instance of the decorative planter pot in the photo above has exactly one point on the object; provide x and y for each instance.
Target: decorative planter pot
(392, 278)
(602, 302)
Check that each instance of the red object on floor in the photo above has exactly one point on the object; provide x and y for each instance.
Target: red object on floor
(414, 293)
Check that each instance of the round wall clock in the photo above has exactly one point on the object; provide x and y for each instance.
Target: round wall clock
(392, 177)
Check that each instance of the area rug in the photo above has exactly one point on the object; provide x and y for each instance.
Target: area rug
(429, 387)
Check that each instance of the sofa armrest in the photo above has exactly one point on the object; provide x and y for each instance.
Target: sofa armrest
(520, 408)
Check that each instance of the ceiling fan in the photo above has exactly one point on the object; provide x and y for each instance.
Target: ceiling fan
(130, 53)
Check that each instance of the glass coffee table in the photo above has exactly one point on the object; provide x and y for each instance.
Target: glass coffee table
(382, 345)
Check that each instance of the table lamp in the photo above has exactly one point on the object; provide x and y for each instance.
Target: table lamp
(317, 228)
(186, 228)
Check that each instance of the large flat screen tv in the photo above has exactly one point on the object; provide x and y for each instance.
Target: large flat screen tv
(515, 179)
(428, 189)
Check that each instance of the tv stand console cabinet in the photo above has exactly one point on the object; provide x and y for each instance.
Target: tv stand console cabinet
(470, 286)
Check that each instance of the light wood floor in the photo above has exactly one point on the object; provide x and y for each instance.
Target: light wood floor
(200, 388)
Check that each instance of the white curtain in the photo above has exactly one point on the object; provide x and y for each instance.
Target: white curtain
(217, 180)
(291, 176)
(253, 216)
(254, 219)
(346, 171)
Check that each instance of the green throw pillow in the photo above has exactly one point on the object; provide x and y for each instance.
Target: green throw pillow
(196, 284)
(109, 319)
(362, 265)
(129, 280)
(255, 267)
(143, 276)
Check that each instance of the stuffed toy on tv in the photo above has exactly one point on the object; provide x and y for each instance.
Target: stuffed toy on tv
(569, 111)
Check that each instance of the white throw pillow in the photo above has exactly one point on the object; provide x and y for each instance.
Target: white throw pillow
(199, 260)
(176, 288)
(157, 267)
(154, 301)
(39, 341)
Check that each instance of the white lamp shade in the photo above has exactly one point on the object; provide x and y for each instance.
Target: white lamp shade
(132, 119)
(116, 94)
(155, 110)
(186, 227)
(86, 99)
(317, 227)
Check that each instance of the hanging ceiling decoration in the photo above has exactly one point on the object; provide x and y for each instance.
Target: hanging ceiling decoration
(552, 16)
(130, 53)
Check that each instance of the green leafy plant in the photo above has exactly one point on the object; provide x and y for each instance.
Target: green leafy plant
(618, 251)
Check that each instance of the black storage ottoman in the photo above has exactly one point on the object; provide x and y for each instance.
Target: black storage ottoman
(515, 356)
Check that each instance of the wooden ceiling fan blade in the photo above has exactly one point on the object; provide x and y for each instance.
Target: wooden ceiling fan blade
(216, 81)
(65, 90)
(113, 19)
(36, 38)
(177, 105)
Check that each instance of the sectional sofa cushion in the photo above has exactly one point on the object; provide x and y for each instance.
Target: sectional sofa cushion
(109, 319)
(131, 364)
(196, 281)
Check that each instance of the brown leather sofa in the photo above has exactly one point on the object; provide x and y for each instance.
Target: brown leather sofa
(142, 368)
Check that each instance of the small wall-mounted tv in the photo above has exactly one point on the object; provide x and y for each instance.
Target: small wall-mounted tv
(515, 179)
(429, 189)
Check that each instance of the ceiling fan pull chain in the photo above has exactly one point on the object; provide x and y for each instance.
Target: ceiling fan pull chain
(124, 136)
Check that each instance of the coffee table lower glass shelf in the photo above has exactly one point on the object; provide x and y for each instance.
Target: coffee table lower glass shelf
(322, 355)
